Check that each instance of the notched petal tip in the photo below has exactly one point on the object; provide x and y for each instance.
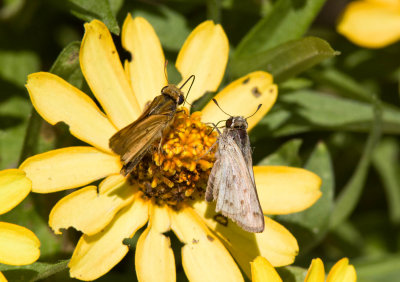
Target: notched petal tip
(95, 255)
(90, 209)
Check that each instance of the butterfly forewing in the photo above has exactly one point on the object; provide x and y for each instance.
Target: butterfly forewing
(133, 141)
(231, 182)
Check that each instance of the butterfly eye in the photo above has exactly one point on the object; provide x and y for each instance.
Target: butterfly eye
(228, 123)
(180, 99)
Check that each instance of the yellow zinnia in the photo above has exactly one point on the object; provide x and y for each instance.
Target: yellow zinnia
(342, 271)
(120, 206)
(18, 245)
(371, 23)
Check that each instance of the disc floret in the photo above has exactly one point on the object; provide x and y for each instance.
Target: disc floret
(178, 170)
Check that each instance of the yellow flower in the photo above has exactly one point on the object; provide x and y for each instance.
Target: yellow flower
(120, 206)
(18, 245)
(371, 23)
(342, 271)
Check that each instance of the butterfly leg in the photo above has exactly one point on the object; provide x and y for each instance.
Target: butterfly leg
(209, 150)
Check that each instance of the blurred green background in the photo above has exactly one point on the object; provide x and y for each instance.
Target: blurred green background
(337, 114)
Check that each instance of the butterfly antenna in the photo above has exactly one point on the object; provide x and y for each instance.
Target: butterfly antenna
(259, 106)
(165, 70)
(187, 94)
(216, 103)
(215, 126)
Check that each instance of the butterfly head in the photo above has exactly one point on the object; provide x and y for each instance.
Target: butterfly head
(237, 122)
(174, 93)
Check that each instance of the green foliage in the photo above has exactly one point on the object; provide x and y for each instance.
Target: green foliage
(309, 226)
(337, 114)
(286, 60)
(286, 21)
(34, 272)
(89, 10)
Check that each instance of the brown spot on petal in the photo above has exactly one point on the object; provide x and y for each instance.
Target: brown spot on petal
(246, 80)
(210, 238)
(194, 241)
(256, 92)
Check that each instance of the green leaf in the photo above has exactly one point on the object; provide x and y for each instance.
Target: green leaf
(214, 10)
(14, 105)
(16, 65)
(14, 114)
(288, 20)
(385, 160)
(311, 225)
(89, 10)
(342, 83)
(67, 65)
(287, 154)
(292, 273)
(351, 193)
(171, 27)
(286, 60)
(346, 240)
(10, 8)
(381, 268)
(306, 110)
(32, 272)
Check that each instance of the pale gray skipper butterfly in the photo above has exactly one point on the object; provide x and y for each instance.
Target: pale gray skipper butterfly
(231, 183)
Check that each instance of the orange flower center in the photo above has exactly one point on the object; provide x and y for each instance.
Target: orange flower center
(179, 169)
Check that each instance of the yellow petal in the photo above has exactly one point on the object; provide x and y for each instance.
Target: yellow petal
(14, 187)
(18, 245)
(56, 100)
(204, 257)
(262, 270)
(371, 24)
(146, 69)
(276, 243)
(2, 278)
(242, 97)
(316, 272)
(96, 255)
(342, 271)
(154, 258)
(284, 190)
(68, 168)
(90, 210)
(105, 75)
(204, 54)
